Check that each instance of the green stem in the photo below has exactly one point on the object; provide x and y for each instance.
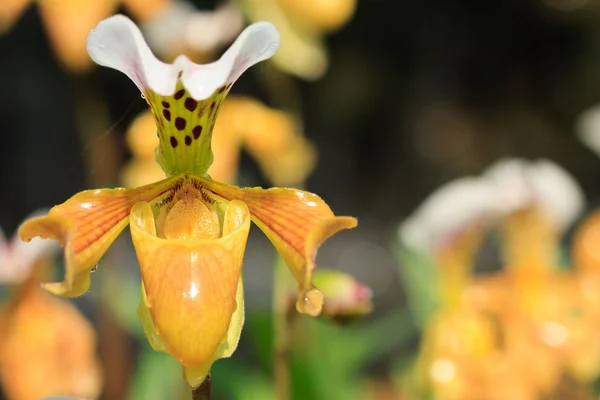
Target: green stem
(204, 391)
(283, 312)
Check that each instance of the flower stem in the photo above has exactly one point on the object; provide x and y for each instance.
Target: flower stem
(283, 312)
(204, 391)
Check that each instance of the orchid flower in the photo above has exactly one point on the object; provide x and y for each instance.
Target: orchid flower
(33, 327)
(189, 231)
(546, 318)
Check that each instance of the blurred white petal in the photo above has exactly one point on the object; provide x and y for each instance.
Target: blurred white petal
(183, 24)
(588, 128)
(507, 186)
(453, 207)
(540, 183)
(18, 257)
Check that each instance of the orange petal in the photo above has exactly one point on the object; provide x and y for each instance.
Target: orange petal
(69, 22)
(10, 11)
(86, 225)
(296, 222)
(344, 295)
(48, 348)
(586, 244)
(321, 15)
(191, 285)
(194, 376)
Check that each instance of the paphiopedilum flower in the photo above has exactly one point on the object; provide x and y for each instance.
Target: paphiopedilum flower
(46, 346)
(543, 316)
(188, 230)
(535, 201)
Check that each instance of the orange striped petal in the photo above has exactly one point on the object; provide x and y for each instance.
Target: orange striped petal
(190, 284)
(86, 225)
(297, 223)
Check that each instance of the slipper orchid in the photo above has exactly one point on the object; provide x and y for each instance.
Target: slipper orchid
(188, 230)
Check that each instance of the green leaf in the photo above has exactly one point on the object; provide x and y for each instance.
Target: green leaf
(157, 377)
(250, 384)
(419, 278)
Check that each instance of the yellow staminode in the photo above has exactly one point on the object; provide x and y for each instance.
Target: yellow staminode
(189, 231)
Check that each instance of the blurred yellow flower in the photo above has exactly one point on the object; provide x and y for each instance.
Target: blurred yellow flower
(466, 355)
(142, 140)
(173, 27)
(302, 25)
(189, 231)
(68, 22)
(47, 348)
(515, 333)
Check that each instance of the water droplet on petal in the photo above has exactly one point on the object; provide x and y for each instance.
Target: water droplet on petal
(310, 302)
(143, 97)
(94, 268)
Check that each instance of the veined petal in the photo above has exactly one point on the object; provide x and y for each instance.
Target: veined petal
(86, 225)
(297, 223)
(184, 97)
(191, 284)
